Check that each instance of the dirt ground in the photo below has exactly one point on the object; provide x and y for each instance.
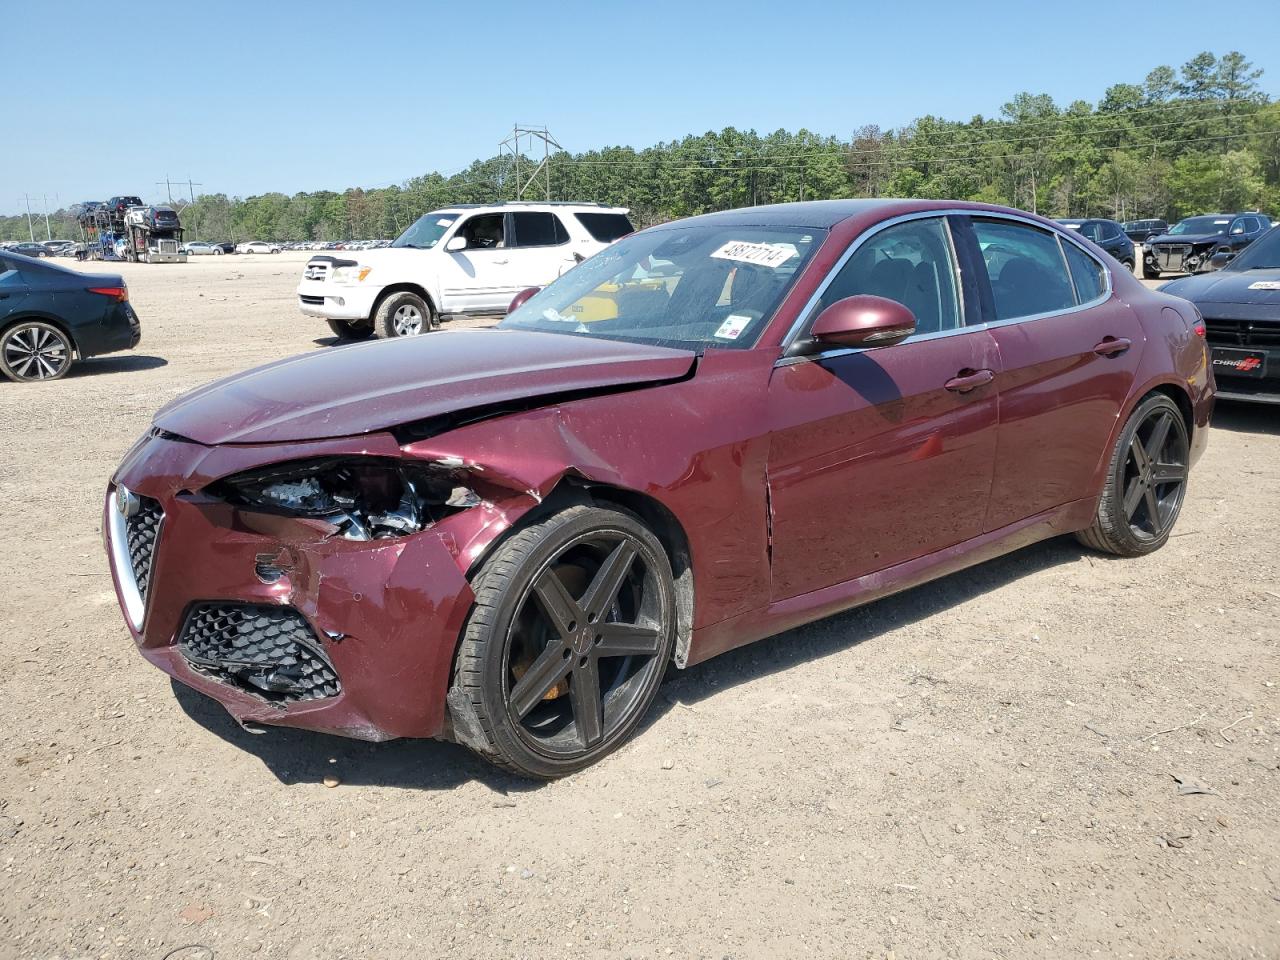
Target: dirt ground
(987, 766)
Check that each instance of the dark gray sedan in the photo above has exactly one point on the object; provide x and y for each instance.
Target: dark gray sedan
(51, 317)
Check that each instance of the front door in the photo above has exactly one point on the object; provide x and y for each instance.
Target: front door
(480, 278)
(882, 456)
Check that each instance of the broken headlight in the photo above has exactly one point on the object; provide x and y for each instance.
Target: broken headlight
(365, 499)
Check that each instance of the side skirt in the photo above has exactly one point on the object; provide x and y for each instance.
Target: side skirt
(781, 615)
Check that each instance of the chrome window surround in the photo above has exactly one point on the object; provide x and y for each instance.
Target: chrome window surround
(135, 608)
(806, 315)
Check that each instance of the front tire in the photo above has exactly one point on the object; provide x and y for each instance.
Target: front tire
(348, 331)
(34, 351)
(403, 314)
(1146, 482)
(1149, 273)
(565, 648)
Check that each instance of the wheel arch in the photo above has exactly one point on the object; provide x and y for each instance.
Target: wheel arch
(405, 287)
(48, 318)
(574, 488)
(1175, 391)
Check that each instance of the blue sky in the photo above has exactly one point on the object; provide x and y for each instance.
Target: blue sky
(283, 95)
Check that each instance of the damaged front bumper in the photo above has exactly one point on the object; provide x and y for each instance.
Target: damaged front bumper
(278, 619)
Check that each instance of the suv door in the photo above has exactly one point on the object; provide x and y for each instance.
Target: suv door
(1069, 352)
(541, 250)
(478, 279)
(879, 456)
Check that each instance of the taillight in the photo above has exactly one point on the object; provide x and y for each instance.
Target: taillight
(120, 294)
(1199, 330)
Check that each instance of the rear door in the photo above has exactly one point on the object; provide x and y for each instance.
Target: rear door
(541, 250)
(13, 289)
(1069, 351)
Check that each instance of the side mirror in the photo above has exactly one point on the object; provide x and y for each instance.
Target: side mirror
(518, 300)
(456, 244)
(863, 321)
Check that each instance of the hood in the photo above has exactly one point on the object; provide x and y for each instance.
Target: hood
(1192, 238)
(1229, 286)
(345, 391)
(381, 257)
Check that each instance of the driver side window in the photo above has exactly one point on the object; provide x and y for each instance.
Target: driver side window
(909, 262)
(484, 232)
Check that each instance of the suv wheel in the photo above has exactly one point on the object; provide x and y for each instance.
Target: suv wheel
(403, 314)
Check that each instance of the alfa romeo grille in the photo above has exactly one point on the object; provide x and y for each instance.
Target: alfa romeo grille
(141, 530)
(267, 650)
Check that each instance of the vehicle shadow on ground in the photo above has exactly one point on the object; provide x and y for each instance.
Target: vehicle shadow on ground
(846, 630)
(1241, 417)
(300, 756)
(130, 363)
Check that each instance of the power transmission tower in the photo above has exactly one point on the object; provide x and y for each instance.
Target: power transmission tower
(191, 188)
(168, 188)
(514, 143)
(30, 229)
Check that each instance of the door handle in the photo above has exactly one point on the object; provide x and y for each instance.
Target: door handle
(964, 382)
(1112, 346)
(502, 261)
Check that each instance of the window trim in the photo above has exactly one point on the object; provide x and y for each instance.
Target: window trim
(515, 232)
(806, 315)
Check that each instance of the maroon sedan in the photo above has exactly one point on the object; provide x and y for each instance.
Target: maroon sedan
(711, 432)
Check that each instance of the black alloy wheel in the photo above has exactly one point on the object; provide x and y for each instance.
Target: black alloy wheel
(1146, 483)
(33, 351)
(567, 644)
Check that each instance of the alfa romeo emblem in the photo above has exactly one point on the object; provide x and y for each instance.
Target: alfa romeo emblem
(126, 501)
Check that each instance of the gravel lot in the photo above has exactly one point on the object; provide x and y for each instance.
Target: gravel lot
(986, 766)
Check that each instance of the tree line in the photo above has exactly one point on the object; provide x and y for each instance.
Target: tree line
(1201, 138)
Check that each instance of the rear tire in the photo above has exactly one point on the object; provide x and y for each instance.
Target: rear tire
(403, 314)
(567, 643)
(33, 351)
(348, 331)
(1146, 482)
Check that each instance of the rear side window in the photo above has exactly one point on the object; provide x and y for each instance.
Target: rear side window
(1086, 273)
(1028, 275)
(910, 263)
(538, 230)
(605, 227)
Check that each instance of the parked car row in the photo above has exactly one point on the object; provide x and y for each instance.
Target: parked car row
(40, 248)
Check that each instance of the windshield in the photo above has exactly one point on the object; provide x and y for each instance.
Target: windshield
(426, 231)
(1262, 254)
(1194, 225)
(680, 286)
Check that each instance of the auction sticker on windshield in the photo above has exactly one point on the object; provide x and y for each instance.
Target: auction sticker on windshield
(733, 326)
(1265, 285)
(761, 254)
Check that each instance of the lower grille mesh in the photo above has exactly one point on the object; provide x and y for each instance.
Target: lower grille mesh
(141, 530)
(269, 651)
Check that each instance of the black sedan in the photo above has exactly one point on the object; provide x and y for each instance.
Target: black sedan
(51, 316)
(1201, 244)
(1241, 309)
(1107, 234)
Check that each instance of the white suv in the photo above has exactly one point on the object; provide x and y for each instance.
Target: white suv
(459, 260)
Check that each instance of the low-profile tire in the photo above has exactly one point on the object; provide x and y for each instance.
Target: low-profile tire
(1146, 482)
(32, 351)
(349, 331)
(403, 314)
(1150, 273)
(563, 652)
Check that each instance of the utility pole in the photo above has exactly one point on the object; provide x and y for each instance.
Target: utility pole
(30, 229)
(191, 188)
(48, 234)
(512, 143)
(168, 188)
